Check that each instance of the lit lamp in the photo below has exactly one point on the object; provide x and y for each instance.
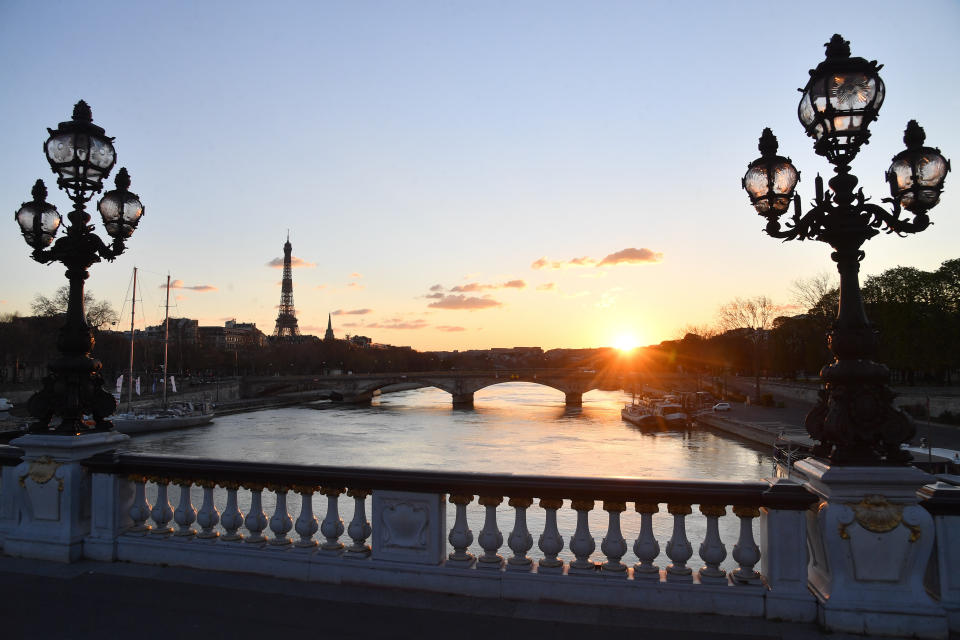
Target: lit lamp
(82, 156)
(855, 421)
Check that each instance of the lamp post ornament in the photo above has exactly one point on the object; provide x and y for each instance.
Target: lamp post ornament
(82, 156)
(854, 420)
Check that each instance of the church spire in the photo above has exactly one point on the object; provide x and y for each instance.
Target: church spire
(328, 336)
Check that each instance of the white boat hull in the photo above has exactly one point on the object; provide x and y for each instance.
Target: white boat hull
(146, 424)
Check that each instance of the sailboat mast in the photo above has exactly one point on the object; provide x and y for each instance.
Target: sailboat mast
(166, 340)
(133, 308)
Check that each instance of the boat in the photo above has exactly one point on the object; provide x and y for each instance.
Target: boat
(637, 413)
(177, 416)
(670, 414)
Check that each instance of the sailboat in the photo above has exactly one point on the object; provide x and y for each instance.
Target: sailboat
(178, 416)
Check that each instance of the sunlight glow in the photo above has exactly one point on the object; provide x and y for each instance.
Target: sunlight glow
(626, 342)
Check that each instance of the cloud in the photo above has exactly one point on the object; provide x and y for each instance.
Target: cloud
(436, 287)
(464, 302)
(355, 285)
(178, 284)
(624, 256)
(277, 263)
(550, 286)
(320, 286)
(436, 295)
(449, 328)
(352, 312)
(408, 325)
(355, 275)
(473, 287)
(632, 256)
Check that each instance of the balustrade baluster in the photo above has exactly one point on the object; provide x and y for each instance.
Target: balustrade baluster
(140, 509)
(280, 521)
(712, 550)
(185, 515)
(746, 552)
(208, 517)
(520, 541)
(490, 537)
(461, 537)
(256, 520)
(332, 526)
(231, 518)
(550, 541)
(646, 547)
(161, 513)
(679, 549)
(613, 545)
(307, 524)
(359, 529)
(582, 543)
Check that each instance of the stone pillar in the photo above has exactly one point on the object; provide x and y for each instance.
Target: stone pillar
(574, 399)
(942, 501)
(462, 400)
(53, 495)
(869, 544)
(783, 538)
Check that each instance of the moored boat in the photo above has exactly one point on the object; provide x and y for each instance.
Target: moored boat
(174, 417)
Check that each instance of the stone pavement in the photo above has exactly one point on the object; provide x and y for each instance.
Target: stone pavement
(51, 601)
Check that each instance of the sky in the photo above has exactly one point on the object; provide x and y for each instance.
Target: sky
(459, 175)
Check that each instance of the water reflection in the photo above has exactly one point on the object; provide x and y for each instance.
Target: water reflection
(513, 428)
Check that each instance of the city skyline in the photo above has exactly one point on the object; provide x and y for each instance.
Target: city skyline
(459, 177)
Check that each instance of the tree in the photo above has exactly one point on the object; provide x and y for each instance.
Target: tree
(754, 314)
(99, 313)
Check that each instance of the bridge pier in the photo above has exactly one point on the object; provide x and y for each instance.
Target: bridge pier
(574, 399)
(462, 400)
(357, 398)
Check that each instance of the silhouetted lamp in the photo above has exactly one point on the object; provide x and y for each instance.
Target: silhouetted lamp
(38, 219)
(770, 179)
(855, 422)
(120, 209)
(840, 101)
(82, 155)
(916, 175)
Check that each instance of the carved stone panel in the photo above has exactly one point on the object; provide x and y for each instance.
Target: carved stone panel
(409, 527)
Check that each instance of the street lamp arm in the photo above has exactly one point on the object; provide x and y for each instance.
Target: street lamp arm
(892, 220)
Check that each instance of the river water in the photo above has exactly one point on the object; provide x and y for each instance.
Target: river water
(513, 428)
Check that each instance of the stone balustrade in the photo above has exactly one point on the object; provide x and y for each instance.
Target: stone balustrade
(536, 536)
(390, 527)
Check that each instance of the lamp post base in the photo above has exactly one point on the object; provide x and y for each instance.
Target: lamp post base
(53, 497)
(869, 543)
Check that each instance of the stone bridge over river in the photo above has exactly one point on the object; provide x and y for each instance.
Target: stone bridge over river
(461, 385)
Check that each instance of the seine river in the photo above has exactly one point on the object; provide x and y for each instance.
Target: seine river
(514, 428)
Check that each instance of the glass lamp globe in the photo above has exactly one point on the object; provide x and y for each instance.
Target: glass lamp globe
(80, 154)
(770, 179)
(120, 209)
(39, 220)
(916, 175)
(840, 101)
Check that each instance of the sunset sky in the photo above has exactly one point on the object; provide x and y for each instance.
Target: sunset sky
(459, 175)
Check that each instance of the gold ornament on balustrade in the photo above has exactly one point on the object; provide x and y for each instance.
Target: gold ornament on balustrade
(646, 507)
(878, 515)
(358, 494)
(520, 502)
(582, 505)
(681, 509)
(614, 505)
(490, 501)
(460, 498)
(332, 492)
(746, 512)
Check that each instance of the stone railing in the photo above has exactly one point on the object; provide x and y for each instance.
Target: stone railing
(265, 518)
(67, 498)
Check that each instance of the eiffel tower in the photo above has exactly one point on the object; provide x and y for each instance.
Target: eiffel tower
(286, 329)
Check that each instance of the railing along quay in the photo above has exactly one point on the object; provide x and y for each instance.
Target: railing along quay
(404, 542)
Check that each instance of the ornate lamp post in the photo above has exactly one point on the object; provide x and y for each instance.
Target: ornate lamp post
(854, 420)
(81, 155)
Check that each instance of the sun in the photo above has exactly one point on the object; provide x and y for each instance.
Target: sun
(625, 342)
